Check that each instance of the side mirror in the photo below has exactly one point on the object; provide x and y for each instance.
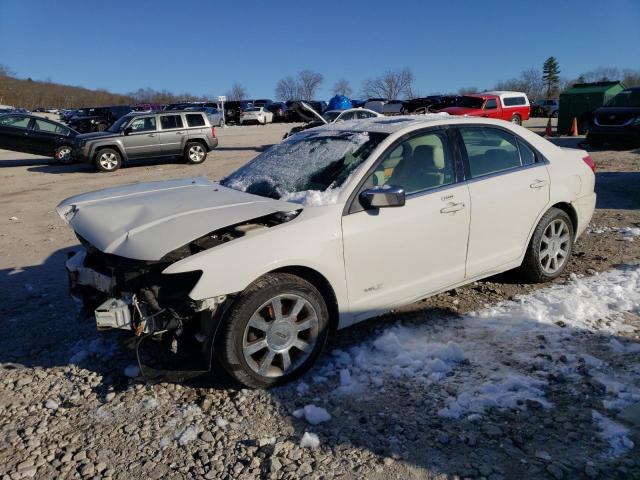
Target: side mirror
(127, 130)
(382, 197)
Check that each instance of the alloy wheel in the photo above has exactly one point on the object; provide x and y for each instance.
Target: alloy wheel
(64, 154)
(280, 335)
(554, 246)
(108, 161)
(196, 153)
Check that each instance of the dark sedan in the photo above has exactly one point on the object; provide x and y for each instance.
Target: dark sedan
(618, 121)
(36, 135)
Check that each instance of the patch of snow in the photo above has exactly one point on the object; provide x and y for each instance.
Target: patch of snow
(309, 440)
(614, 433)
(628, 233)
(51, 405)
(188, 435)
(312, 414)
(502, 356)
(221, 422)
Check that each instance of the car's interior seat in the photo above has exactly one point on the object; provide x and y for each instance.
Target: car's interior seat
(419, 171)
(493, 160)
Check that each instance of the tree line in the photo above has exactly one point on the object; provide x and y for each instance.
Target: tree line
(391, 84)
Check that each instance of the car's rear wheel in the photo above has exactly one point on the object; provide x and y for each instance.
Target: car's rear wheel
(550, 247)
(107, 160)
(274, 331)
(63, 154)
(194, 153)
(517, 119)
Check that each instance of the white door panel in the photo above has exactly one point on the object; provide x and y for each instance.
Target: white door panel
(504, 211)
(395, 255)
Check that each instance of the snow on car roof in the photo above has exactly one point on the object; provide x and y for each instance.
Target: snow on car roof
(387, 124)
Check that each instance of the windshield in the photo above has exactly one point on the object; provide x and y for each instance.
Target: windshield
(307, 161)
(626, 98)
(254, 109)
(119, 125)
(469, 102)
(330, 116)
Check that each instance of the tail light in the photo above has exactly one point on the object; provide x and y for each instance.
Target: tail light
(589, 161)
(213, 132)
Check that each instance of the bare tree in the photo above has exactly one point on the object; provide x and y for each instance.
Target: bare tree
(342, 87)
(308, 83)
(390, 85)
(287, 89)
(530, 82)
(631, 78)
(236, 93)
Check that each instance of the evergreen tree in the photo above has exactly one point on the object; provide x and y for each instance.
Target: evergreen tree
(551, 75)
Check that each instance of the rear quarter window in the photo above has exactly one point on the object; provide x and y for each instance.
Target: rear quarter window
(194, 120)
(514, 101)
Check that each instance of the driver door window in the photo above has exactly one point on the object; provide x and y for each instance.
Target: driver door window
(491, 104)
(420, 163)
(143, 124)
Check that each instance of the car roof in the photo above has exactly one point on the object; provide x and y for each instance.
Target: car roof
(397, 123)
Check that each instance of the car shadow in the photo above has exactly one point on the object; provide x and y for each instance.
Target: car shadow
(28, 162)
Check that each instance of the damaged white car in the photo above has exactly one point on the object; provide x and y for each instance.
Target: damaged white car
(335, 225)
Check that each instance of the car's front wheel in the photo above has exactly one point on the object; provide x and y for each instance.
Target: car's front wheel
(108, 160)
(550, 247)
(194, 152)
(274, 331)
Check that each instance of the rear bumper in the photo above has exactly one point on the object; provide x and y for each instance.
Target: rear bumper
(585, 207)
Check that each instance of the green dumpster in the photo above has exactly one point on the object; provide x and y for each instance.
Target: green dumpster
(579, 100)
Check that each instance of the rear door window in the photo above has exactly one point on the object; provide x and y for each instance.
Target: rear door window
(195, 120)
(15, 121)
(490, 150)
(49, 127)
(168, 122)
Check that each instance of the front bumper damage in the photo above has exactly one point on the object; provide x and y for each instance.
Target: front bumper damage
(136, 296)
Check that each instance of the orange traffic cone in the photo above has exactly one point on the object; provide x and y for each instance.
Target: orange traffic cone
(548, 132)
(574, 127)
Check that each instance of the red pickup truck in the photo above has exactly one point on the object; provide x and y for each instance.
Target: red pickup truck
(511, 106)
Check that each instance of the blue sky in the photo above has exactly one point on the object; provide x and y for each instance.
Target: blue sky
(202, 47)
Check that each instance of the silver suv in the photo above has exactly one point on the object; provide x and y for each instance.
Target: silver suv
(187, 134)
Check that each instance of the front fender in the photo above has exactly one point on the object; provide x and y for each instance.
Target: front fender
(313, 240)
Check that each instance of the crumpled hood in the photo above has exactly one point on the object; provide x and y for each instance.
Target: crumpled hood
(146, 221)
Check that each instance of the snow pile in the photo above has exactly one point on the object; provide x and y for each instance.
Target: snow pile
(309, 440)
(628, 233)
(312, 414)
(614, 433)
(503, 356)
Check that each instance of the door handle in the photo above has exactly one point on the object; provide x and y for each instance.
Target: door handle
(538, 184)
(179, 133)
(452, 207)
(151, 135)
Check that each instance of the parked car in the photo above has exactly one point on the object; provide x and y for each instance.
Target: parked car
(280, 111)
(444, 102)
(421, 104)
(36, 135)
(146, 107)
(97, 119)
(511, 106)
(375, 104)
(6, 109)
(233, 110)
(545, 108)
(39, 109)
(259, 115)
(618, 121)
(215, 115)
(393, 107)
(314, 119)
(257, 269)
(186, 134)
(67, 114)
(263, 102)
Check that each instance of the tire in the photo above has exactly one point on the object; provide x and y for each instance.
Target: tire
(250, 322)
(63, 154)
(107, 160)
(195, 153)
(516, 119)
(538, 267)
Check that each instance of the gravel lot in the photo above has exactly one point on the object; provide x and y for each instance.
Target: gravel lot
(67, 410)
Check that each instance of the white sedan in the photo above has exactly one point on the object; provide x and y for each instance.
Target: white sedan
(333, 226)
(258, 115)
